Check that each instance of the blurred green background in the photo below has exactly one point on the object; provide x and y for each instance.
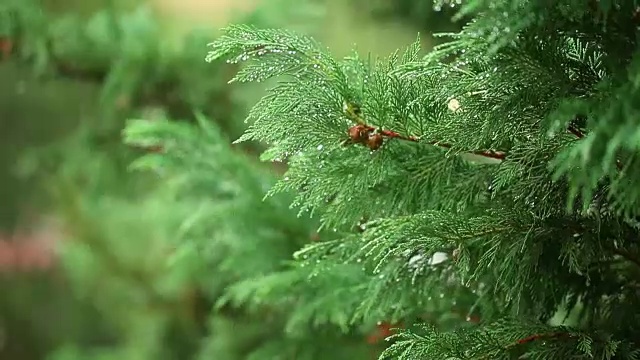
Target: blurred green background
(74, 221)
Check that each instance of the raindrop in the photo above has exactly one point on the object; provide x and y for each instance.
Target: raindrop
(320, 147)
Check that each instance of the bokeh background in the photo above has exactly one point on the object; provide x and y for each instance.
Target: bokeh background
(83, 240)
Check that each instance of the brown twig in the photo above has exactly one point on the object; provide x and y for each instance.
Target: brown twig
(500, 155)
(537, 337)
(532, 338)
(363, 133)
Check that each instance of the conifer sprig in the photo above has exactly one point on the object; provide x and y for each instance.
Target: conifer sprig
(542, 94)
(502, 340)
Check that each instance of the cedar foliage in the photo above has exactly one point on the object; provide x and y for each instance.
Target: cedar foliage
(541, 242)
(141, 264)
(219, 233)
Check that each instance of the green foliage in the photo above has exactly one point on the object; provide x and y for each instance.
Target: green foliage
(157, 261)
(128, 53)
(242, 252)
(545, 90)
(154, 253)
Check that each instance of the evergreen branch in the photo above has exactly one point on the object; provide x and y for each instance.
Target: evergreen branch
(281, 52)
(499, 340)
(373, 137)
(579, 134)
(526, 78)
(284, 53)
(627, 255)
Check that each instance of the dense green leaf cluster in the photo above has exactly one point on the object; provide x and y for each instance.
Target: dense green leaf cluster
(163, 258)
(547, 93)
(154, 260)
